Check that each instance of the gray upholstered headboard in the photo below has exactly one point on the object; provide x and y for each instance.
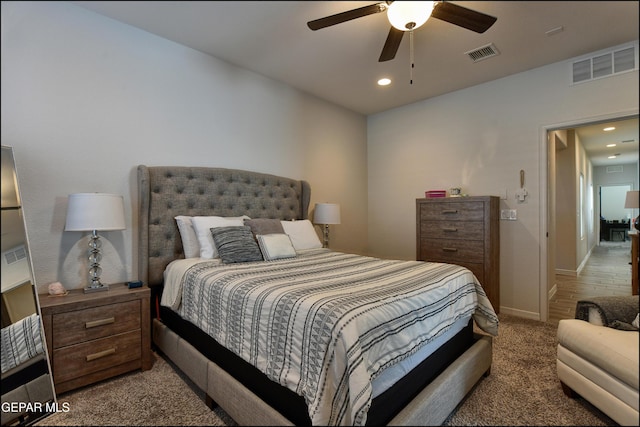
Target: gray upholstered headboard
(169, 191)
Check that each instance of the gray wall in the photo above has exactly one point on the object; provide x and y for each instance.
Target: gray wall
(85, 99)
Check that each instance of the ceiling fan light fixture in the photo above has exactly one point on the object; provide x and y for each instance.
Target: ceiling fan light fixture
(409, 15)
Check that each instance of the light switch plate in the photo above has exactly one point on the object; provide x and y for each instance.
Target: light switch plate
(509, 214)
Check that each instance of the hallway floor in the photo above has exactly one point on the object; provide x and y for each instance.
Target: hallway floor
(607, 272)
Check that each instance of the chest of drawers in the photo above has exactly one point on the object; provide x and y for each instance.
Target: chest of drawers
(91, 337)
(463, 231)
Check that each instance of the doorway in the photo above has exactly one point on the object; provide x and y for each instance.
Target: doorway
(550, 136)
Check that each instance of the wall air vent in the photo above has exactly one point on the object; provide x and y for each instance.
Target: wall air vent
(605, 64)
(483, 52)
(614, 169)
(15, 255)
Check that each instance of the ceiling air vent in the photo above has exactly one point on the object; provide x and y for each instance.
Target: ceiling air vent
(483, 52)
(605, 64)
(614, 169)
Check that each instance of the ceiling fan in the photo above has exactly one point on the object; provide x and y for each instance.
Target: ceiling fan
(407, 16)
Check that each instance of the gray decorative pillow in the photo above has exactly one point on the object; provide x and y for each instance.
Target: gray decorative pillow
(236, 244)
(264, 226)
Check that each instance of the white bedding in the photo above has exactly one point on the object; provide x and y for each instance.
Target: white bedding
(369, 320)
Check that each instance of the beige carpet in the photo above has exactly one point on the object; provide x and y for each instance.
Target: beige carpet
(522, 390)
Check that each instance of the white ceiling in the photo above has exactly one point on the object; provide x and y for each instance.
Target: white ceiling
(340, 63)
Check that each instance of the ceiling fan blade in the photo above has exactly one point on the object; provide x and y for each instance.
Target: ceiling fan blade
(391, 45)
(339, 18)
(463, 17)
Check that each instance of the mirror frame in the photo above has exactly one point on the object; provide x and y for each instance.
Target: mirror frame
(28, 393)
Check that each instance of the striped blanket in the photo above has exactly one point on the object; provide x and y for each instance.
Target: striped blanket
(325, 324)
(21, 341)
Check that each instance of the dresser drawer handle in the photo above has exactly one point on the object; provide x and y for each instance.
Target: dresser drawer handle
(101, 322)
(100, 354)
(450, 249)
(450, 211)
(449, 229)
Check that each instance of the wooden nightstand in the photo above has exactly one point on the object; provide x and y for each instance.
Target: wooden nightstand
(94, 336)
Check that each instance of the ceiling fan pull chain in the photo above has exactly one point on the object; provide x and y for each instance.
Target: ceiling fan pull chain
(411, 57)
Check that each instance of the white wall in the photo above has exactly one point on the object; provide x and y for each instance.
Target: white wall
(85, 99)
(480, 138)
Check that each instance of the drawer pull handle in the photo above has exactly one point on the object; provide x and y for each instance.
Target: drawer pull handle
(450, 249)
(101, 322)
(449, 229)
(450, 211)
(100, 354)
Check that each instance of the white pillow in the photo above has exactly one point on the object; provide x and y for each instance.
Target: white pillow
(203, 225)
(275, 246)
(189, 239)
(302, 234)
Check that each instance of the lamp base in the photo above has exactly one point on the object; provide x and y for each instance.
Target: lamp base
(90, 289)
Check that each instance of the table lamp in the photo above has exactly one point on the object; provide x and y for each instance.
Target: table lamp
(326, 213)
(631, 202)
(95, 212)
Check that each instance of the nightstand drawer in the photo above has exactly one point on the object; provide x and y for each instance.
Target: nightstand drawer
(93, 356)
(452, 251)
(452, 211)
(76, 327)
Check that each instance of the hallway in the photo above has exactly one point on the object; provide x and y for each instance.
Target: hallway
(607, 272)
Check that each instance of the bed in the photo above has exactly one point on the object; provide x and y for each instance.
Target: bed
(293, 351)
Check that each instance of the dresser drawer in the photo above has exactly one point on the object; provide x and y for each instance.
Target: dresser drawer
(469, 230)
(93, 356)
(75, 327)
(451, 250)
(452, 211)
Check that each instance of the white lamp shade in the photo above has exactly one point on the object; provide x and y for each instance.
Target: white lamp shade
(401, 13)
(631, 201)
(95, 211)
(327, 213)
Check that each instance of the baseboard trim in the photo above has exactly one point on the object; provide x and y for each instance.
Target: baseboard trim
(520, 313)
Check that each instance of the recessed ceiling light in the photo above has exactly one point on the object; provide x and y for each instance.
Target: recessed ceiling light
(608, 129)
(611, 145)
(384, 82)
(611, 157)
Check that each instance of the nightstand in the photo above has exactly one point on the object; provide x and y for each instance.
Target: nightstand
(95, 336)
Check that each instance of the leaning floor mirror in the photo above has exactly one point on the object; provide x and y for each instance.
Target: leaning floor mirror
(27, 387)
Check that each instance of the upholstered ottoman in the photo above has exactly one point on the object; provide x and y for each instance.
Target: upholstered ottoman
(600, 364)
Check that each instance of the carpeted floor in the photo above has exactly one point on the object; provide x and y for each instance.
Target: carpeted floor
(522, 389)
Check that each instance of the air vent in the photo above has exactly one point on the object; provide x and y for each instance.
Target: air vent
(614, 169)
(15, 255)
(605, 64)
(626, 141)
(483, 52)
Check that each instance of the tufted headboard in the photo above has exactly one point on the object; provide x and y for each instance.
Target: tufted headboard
(169, 191)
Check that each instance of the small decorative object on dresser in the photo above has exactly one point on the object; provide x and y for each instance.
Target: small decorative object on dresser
(95, 336)
(463, 231)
